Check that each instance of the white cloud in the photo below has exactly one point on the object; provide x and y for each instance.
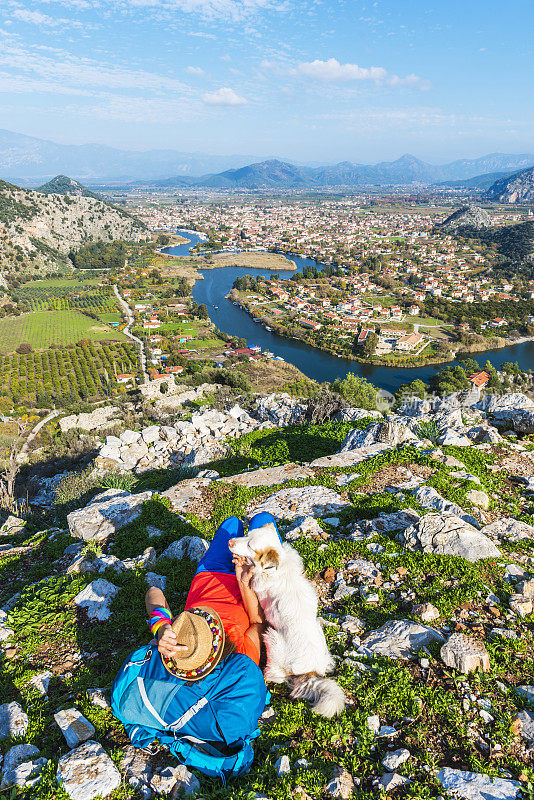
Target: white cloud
(194, 71)
(43, 20)
(209, 9)
(332, 71)
(224, 97)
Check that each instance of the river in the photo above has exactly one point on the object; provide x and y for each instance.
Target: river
(312, 362)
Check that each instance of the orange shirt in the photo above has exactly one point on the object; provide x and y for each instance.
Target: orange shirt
(220, 591)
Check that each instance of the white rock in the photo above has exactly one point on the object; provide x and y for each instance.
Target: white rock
(400, 639)
(13, 720)
(392, 780)
(17, 755)
(190, 547)
(105, 515)
(476, 786)
(526, 725)
(341, 784)
(150, 434)
(373, 723)
(447, 534)
(159, 581)
(87, 772)
(98, 698)
(23, 774)
(395, 759)
(465, 654)
(478, 498)
(74, 726)
(282, 766)
(96, 598)
(130, 437)
(313, 501)
(426, 612)
(41, 681)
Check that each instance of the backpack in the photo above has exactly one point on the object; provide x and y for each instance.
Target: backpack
(207, 724)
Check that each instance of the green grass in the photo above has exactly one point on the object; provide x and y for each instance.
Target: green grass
(43, 328)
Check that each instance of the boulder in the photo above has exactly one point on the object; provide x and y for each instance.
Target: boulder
(269, 476)
(395, 759)
(356, 414)
(17, 755)
(448, 535)
(525, 720)
(159, 581)
(106, 514)
(280, 409)
(87, 772)
(314, 501)
(523, 422)
(191, 547)
(341, 784)
(395, 521)
(477, 786)
(389, 431)
(400, 639)
(348, 458)
(526, 692)
(496, 404)
(465, 654)
(304, 526)
(184, 496)
(74, 726)
(41, 682)
(392, 780)
(478, 498)
(150, 434)
(13, 720)
(96, 599)
(99, 418)
(510, 528)
(426, 612)
(428, 497)
(25, 774)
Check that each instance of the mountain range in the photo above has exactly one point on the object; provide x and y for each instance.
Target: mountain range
(405, 171)
(516, 188)
(30, 161)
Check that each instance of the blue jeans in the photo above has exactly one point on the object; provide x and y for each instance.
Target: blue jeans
(218, 557)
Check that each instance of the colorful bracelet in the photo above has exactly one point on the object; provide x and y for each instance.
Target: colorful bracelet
(159, 617)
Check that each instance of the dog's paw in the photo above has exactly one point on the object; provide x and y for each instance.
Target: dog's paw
(273, 676)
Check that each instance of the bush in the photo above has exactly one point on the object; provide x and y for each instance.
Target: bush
(24, 348)
(356, 391)
(228, 378)
(324, 406)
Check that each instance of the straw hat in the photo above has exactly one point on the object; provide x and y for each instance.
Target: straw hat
(200, 629)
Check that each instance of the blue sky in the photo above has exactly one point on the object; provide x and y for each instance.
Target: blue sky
(304, 80)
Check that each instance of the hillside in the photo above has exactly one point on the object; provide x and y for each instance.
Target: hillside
(479, 182)
(419, 549)
(62, 184)
(38, 230)
(518, 188)
(466, 217)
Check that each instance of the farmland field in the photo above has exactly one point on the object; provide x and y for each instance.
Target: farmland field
(43, 328)
(66, 375)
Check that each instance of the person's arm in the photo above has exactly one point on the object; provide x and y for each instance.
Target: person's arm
(243, 571)
(167, 642)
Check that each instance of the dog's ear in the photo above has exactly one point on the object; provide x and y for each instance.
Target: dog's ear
(268, 559)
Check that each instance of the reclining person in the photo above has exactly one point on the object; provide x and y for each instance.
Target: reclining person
(201, 692)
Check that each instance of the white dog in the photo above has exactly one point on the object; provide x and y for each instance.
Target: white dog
(296, 647)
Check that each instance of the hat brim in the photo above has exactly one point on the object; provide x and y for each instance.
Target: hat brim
(215, 656)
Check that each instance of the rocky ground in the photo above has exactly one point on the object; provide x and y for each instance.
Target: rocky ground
(417, 530)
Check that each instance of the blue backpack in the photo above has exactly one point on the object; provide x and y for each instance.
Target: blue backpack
(207, 724)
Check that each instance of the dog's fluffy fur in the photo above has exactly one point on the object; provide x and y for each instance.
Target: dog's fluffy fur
(297, 652)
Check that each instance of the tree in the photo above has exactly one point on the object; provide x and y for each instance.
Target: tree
(24, 348)
(10, 467)
(356, 391)
(369, 346)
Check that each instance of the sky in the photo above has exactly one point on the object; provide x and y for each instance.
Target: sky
(311, 81)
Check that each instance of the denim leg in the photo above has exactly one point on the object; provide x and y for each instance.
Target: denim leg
(218, 557)
(258, 520)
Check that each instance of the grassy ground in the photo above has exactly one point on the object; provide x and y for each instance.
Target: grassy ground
(425, 704)
(43, 328)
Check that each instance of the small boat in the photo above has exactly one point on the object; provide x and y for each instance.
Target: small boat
(267, 328)
(217, 307)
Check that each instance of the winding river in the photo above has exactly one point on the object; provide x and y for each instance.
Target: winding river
(312, 362)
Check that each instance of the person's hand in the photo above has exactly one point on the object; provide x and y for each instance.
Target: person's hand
(168, 643)
(243, 570)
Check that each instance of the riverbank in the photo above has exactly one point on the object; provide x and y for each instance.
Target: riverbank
(405, 362)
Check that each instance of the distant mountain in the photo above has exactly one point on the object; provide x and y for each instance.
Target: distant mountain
(38, 230)
(61, 184)
(466, 217)
(517, 188)
(32, 160)
(266, 175)
(479, 182)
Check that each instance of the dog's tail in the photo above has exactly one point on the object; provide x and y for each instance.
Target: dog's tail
(326, 696)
